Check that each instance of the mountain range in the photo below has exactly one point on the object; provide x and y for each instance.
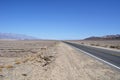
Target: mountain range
(106, 37)
(15, 36)
(26, 37)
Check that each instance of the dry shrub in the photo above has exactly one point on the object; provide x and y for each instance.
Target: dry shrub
(25, 60)
(46, 58)
(43, 48)
(92, 44)
(32, 58)
(97, 45)
(18, 62)
(9, 66)
(82, 43)
(0, 69)
(105, 46)
(116, 47)
(112, 46)
(24, 74)
(1, 66)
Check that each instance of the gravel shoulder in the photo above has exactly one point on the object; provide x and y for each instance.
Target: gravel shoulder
(74, 65)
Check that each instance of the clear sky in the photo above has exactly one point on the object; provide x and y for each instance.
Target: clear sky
(60, 19)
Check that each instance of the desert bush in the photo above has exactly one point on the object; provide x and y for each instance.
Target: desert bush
(17, 62)
(97, 45)
(1, 66)
(46, 58)
(25, 60)
(9, 66)
(117, 47)
(24, 74)
(112, 46)
(43, 48)
(33, 58)
(0, 69)
(82, 43)
(92, 44)
(105, 46)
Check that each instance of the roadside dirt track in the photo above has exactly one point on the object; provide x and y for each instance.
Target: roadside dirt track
(73, 65)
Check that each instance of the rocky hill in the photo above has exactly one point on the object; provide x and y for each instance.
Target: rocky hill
(106, 37)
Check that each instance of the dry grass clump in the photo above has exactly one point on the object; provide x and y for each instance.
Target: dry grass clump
(1, 66)
(44, 48)
(82, 43)
(25, 60)
(32, 58)
(0, 69)
(17, 62)
(116, 47)
(105, 46)
(47, 58)
(93, 44)
(24, 74)
(97, 45)
(9, 66)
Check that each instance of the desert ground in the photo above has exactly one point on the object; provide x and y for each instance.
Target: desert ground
(50, 60)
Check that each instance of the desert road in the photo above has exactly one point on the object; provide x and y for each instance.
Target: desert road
(108, 56)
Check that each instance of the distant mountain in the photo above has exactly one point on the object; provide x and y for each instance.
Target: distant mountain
(107, 37)
(15, 36)
(93, 38)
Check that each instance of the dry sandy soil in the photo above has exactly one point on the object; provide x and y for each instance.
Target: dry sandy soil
(13, 48)
(59, 61)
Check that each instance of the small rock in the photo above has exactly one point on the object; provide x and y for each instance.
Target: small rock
(24, 74)
(1, 75)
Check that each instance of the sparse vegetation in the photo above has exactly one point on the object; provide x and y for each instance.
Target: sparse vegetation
(0, 69)
(112, 46)
(18, 55)
(9, 66)
(92, 44)
(25, 60)
(1, 66)
(116, 47)
(18, 62)
(32, 58)
(39, 61)
(82, 43)
(22, 48)
(43, 48)
(97, 45)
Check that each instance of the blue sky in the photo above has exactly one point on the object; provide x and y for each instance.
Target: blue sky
(60, 19)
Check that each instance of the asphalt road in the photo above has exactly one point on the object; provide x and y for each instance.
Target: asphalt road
(110, 56)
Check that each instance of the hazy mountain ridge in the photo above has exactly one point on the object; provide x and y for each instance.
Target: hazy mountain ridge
(15, 36)
(106, 37)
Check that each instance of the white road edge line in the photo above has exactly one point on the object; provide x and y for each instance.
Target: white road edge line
(96, 57)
